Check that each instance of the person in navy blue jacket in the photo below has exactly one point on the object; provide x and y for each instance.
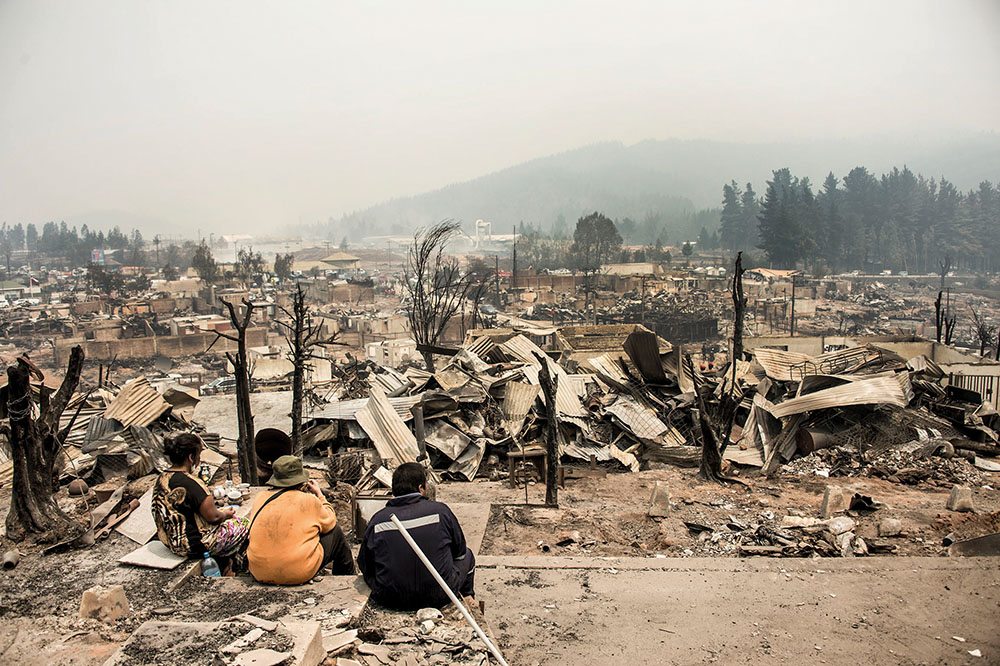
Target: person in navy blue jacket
(396, 576)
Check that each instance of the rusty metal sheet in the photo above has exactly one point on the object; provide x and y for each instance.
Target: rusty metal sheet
(137, 403)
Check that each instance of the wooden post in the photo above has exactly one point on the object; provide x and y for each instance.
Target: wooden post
(418, 429)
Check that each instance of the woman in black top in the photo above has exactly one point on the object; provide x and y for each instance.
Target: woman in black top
(187, 520)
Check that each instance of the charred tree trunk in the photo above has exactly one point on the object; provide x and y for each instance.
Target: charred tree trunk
(938, 318)
(549, 386)
(428, 360)
(730, 402)
(711, 458)
(245, 446)
(35, 446)
(302, 335)
(299, 354)
(944, 266)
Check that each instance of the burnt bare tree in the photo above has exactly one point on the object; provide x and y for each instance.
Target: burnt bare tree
(982, 330)
(730, 402)
(35, 446)
(477, 294)
(550, 385)
(245, 447)
(944, 267)
(938, 316)
(711, 456)
(949, 328)
(302, 335)
(435, 286)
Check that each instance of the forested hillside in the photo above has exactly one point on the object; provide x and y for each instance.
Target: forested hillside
(899, 221)
(660, 185)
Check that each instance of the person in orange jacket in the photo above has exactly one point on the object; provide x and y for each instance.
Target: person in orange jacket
(293, 529)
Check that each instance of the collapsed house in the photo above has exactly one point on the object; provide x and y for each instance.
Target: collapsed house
(635, 406)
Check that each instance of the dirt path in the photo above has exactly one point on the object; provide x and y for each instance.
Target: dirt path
(889, 610)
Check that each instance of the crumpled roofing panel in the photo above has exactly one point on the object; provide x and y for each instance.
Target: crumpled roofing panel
(873, 391)
(392, 439)
(137, 403)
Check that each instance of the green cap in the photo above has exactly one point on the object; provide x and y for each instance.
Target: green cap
(287, 471)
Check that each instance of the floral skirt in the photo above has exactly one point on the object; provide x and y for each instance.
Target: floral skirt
(229, 538)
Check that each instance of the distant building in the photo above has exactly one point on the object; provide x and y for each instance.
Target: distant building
(341, 261)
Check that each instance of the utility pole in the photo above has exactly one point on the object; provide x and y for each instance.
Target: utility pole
(642, 298)
(156, 244)
(496, 276)
(513, 274)
(792, 329)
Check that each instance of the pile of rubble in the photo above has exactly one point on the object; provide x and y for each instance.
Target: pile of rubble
(857, 411)
(117, 431)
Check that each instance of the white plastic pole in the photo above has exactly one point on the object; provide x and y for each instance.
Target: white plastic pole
(447, 590)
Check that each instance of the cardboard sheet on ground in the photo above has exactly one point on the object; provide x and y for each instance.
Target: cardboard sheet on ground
(139, 526)
(154, 555)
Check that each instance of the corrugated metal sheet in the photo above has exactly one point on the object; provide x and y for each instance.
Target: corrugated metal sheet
(567, 401)
(468, 361)
(468, 463)
(642, 421)
(73, 456)
(78, 434)
(392, 439)
(792, 366)
(391, 383)
(516, 404)
(626, 459)
(777, 363)
(583, 450)
(876, 390)
(610, 372)
(100, 431)
(523, 349)
(137, 403)
(925, 365)
(756, 436)
(418, 378)
(345, 410)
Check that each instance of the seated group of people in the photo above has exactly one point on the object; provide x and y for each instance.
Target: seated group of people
(291, 532)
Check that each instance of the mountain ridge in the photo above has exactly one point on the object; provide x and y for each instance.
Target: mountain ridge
(672, 178)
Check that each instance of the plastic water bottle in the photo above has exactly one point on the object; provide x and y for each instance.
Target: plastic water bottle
(209, 567)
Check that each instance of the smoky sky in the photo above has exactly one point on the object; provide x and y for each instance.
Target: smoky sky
(252, 116)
